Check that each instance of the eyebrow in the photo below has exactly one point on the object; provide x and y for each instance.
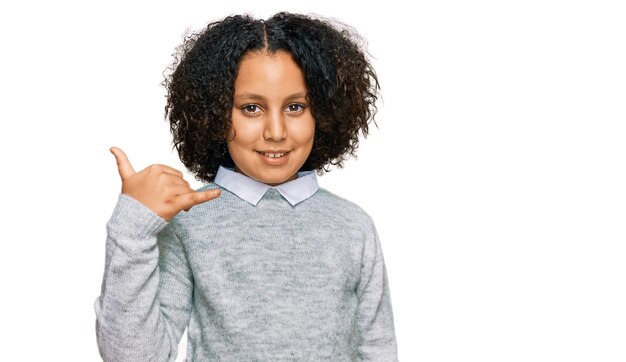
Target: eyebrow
(248, 95)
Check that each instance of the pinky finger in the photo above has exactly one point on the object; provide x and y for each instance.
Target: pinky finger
(191, 199)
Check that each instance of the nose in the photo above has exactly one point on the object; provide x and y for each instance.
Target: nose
(275, 127)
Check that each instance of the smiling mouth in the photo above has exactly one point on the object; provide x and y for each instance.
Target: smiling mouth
(273, 155)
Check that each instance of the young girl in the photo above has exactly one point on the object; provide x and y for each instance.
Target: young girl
(264, 265)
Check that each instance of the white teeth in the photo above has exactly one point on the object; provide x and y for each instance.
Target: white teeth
(275, 155)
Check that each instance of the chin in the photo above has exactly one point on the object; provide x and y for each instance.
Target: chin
(275, 179)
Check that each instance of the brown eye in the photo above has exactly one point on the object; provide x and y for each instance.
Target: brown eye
(295, 107)
(250, 109)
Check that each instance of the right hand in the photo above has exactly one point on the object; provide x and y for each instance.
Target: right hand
(159, 187)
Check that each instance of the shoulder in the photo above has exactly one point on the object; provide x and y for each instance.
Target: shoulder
(337, 200)
(340, 206)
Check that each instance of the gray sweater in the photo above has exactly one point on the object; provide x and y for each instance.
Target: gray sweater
(271, 282)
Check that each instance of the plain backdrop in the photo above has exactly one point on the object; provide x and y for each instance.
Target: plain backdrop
(496, 176)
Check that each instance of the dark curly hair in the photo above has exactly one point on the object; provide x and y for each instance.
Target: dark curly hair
(342, 85)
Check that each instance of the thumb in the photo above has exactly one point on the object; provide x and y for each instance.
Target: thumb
(123, 164)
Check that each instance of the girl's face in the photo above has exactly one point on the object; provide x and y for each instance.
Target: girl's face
(273, 127)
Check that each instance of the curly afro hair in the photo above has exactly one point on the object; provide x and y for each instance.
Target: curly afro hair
(342, 85)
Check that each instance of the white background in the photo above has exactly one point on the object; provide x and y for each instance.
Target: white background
(496, 177)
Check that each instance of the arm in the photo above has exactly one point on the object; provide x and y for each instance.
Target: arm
(374, 312)
(146, 294)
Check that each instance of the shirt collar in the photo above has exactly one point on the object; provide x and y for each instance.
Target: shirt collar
(251, 190)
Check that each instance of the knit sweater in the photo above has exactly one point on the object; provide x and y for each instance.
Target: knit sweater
(271, 282)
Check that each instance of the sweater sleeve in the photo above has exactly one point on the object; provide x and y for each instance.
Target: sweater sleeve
(146, 293)
(374, 312)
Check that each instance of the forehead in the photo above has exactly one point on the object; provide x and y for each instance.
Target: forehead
(261, 72)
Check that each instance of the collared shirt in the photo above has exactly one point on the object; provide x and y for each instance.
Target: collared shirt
(251, 190)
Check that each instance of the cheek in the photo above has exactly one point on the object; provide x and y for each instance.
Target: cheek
(304, 132)
(244, 132)
(303, 129)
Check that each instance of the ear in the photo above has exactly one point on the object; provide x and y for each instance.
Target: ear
(231, 135)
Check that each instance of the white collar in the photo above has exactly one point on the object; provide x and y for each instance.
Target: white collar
(251, 190)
